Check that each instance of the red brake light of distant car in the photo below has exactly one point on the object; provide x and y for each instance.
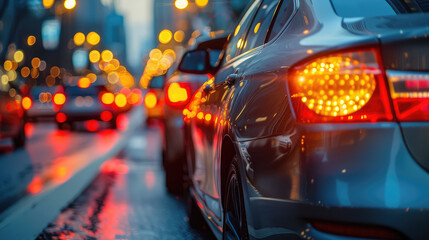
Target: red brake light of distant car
(59, 99)
(410, 95)
(178, 94)
(342, 87)
(150, 100)
(26, 103)
(107, 98)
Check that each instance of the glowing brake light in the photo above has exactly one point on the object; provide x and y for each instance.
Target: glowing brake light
(107, 98)
(84, 82)
(410, 95)
(178, 94)
(340, 87)
(27, 103)
(150, 100)
(59, 99)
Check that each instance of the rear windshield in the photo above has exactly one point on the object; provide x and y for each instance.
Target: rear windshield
(374, 8)
(77, 91)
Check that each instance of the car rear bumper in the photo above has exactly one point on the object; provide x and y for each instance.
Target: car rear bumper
(283, 219)
(174, 144)
(352, 173)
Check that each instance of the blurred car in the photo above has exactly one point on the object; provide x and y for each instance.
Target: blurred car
(43, 106)
(153, 101)
(178, 91)
(88, 101)
(316, 125)
(12, 110)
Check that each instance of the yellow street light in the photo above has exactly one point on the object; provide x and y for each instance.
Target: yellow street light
(69, 4)
(93, 38)
(181, 4)
(201, 3)
(179, 36)
(48, 3)
(165, 36)
(79, 38)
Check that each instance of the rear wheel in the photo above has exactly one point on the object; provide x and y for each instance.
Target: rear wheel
(19, 139)
(174, 178)
(235, 223)
(195, 217)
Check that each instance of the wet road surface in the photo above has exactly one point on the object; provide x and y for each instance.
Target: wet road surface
(127, 200)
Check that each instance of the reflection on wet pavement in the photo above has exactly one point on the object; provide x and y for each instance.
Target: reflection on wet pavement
(127, 200)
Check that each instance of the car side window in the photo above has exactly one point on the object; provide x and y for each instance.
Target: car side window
(239, 34)
(261, 23)
(286, 9)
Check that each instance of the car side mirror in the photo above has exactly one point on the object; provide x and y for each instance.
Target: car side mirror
(196, 62)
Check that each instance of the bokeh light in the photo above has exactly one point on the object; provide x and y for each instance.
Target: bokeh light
(93, 38)
(165, 36)
(79, 39)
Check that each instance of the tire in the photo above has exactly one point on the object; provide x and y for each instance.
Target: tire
(235, 222)
(196, 220)
(174, 179)
(19, 139)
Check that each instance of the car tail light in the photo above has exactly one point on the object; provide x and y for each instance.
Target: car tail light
(178, 94)
(61, 117)
(107, 98)
(342, 87)
(410, 95)
(121, 100)
(84, 82)
(26, 103)
(59, 99)
(150, 100)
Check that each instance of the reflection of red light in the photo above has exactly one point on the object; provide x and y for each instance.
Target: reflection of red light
(29, 130)
(106, 116)
(92, 125)
(200, 205)
(60, 174)
(114, 166)
(61, 117)
(35, 186)
(122, 121)
(150, 179)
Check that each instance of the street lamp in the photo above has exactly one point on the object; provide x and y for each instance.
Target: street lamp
(69, 4)
(181, 4)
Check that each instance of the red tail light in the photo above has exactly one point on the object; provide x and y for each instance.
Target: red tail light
(342, 87)
(59, 99)
(26, 103)
(410, 94)
(178, 94)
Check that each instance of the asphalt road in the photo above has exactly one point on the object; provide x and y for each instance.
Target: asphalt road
(49, 155)
(127, 200)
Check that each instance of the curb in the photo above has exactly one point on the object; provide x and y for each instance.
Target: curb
(27, 218)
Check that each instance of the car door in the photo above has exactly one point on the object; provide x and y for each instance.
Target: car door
(212, 122)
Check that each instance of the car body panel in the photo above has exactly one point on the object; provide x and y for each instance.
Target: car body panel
(290, 165)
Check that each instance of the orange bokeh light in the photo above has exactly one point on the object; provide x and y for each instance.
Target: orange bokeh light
(84, 82)
(27, 103)
(59, 99)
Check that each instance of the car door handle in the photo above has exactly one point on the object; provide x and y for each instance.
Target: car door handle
(230, 80)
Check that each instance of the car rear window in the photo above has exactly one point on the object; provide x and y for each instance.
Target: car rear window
(373, 8)
(77, 91)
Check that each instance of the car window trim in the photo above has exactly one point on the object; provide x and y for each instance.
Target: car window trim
(246, 33)
(295, 10)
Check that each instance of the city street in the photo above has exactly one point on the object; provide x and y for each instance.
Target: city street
(127, 200)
